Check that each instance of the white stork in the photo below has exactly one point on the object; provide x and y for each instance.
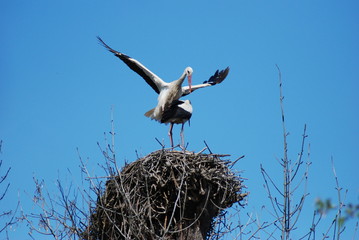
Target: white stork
(168, 92)
(178, 112)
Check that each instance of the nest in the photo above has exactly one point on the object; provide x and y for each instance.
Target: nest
(165, 195)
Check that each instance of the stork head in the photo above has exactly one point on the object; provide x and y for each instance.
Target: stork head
(189, 72)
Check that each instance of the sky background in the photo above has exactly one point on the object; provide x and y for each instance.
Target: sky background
(58, 85)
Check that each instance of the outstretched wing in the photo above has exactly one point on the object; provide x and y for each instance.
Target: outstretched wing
(216, 78)
(152, 79)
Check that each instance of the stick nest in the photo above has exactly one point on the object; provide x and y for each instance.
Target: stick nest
(165, 195)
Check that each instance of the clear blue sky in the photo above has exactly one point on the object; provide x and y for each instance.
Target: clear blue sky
(57, 87)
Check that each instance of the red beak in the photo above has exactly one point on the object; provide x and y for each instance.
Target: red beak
(190, 83)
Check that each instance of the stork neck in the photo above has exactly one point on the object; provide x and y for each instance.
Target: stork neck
(182, 78)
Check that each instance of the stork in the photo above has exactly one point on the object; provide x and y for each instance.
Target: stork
(168, 92)
(178, 112)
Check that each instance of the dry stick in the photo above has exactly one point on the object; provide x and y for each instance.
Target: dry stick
(270, 194)
(265, 176)
(69, 215)
(341, 204)
(207, 147)
(86, 201)
(175, 204)
(2, 179)
(162, 145)
(297, 211)
(305, 175)
(230, 165)
(325, 235)
(112, 221)
(355, 230)
(182, 213)
(85, 170)
(221, 224)
(149, 206)
(93, 188)
(299, 208)
(312, 228)
(67, 207)
(261, 227)
(98, 194)
(113, 140)
(242, 227)
(338, 214)
(299, 161)
(219, 232)
(286, 173)
(125, 194)
(205, 204)
(108, 168)
(274, 202)
(43, 219)
(11, 222)
(119, 186)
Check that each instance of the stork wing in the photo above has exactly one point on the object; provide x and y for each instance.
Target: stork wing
(176, 111)
(152, 79)
(216, 78)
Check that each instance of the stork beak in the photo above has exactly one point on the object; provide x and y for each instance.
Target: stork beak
(190, 83)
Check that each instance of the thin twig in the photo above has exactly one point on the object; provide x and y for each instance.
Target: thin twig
(207, 147)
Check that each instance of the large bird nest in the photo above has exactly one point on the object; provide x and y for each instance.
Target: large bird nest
(165, 195)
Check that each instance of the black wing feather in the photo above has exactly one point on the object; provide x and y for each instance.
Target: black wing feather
(174, 111)
(218, 77)
(129, 62)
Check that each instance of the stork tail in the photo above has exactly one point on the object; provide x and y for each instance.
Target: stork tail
(150, 113)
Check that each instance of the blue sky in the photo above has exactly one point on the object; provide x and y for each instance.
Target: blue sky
(58, 85)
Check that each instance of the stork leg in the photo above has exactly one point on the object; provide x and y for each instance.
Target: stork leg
(170, 134)
(182, 135)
